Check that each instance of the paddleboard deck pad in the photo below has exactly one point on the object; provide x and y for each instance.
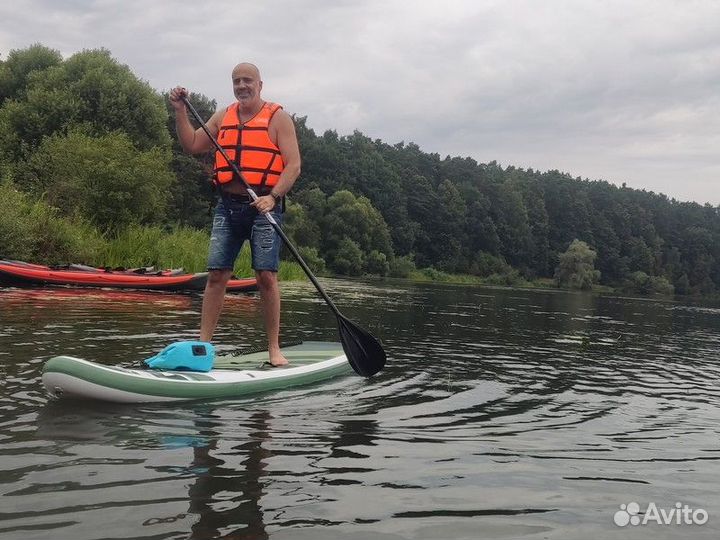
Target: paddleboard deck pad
(66, 377)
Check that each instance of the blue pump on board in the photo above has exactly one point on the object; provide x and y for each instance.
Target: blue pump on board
(184, 356)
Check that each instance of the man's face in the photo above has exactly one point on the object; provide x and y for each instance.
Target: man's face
(246, 84)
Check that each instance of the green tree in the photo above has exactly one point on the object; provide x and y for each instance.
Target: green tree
(192, 197)
(353, 222)
(377, 263)
(698, 247)
(104, 180)
(641, 283)
(402, 266)
(682, 284)
(537, 216)
(577, 267)
(512, 224)
(348, 258)
(312, 258)
(447, 228)
(421, 199)
(301, 228)
(20, 66)
(89, 91)
(313, 200)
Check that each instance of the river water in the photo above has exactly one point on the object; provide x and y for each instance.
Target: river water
(501, 414)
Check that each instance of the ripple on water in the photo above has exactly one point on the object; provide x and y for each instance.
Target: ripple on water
(501, 413)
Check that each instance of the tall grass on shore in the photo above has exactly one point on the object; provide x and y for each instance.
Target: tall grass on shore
(33, 231)
(181, 247)
(290, 271)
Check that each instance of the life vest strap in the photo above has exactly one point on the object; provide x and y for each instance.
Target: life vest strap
(247, 147)
(235, 127)
(248, 169)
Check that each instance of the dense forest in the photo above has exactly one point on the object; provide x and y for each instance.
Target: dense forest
(90, 150)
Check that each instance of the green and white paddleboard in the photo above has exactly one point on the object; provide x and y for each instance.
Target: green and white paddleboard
(232, 376)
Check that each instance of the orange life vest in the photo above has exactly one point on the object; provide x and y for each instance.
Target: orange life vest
(249, 146)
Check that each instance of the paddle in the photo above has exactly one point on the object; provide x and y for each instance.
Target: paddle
(363, 351)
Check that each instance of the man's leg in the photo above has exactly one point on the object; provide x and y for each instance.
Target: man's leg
(270, 297)
(225, 244)
(212, 302)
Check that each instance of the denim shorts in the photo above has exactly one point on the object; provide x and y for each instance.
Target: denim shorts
(236, 221)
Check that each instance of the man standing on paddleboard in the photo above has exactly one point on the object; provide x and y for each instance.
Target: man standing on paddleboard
(260, 138)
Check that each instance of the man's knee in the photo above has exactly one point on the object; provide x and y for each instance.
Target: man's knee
(218, 278)
(266, 279)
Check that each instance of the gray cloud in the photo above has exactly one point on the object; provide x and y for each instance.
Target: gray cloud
(621, 91)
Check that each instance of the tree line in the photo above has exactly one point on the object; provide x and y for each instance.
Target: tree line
(86, 137)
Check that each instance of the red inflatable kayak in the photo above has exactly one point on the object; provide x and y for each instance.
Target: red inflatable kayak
(14, 273)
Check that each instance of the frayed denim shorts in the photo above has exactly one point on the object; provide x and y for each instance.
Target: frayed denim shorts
(234, 222)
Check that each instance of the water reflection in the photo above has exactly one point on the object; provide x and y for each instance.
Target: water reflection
(111, 299)
(227, 500)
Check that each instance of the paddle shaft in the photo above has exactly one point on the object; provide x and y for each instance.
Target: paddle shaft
(269, 217)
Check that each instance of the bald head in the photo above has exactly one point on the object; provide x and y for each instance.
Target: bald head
(246, 68)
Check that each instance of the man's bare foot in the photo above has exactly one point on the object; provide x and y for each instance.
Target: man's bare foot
(277, 359)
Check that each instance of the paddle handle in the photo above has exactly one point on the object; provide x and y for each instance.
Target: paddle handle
(269, 217)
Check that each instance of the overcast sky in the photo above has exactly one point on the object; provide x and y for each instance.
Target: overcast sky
(624, 91)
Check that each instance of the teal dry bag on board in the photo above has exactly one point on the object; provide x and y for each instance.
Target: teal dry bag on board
(184, 356)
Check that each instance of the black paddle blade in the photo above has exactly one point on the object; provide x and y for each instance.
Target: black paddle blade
(363, 351)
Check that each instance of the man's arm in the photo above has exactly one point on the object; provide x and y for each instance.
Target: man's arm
(289, 150)
(193, 141)
(282, 130)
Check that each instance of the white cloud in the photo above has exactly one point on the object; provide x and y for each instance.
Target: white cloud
(623, 91)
